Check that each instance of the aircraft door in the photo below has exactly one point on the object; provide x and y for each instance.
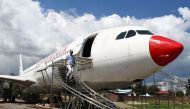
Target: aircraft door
(86, 52)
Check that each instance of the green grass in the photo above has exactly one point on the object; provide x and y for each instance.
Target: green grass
(162, 105)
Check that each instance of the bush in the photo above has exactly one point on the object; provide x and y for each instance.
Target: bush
(179, 94)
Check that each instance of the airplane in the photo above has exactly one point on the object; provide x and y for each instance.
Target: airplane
(120, 56)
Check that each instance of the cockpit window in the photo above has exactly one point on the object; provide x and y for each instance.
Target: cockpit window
(144, 32)
(130, 33)
(121, 35)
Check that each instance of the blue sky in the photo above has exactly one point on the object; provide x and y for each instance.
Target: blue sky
(136, 8)
(40, 32)
(140, 9)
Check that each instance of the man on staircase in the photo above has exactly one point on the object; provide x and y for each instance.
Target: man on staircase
(70, 62)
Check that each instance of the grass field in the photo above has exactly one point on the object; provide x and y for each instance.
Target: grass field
(153, 105)
(162, 105)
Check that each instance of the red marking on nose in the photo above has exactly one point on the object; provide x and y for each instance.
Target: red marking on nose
(164, 50)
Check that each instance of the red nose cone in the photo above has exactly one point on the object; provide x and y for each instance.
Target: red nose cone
(164, 50)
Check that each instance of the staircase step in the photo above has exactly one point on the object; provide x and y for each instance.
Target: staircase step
(76, 85)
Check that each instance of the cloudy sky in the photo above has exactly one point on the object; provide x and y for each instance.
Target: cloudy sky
(37, 28)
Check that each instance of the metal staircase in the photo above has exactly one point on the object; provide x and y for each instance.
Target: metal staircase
(179, 82)
(78, 88)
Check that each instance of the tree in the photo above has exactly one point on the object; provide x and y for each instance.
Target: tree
(12, 74)
(140, 89)
(152, 90)
(188, 88)
(179, 93)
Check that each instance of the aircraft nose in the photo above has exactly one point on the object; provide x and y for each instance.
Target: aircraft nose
(164, 50)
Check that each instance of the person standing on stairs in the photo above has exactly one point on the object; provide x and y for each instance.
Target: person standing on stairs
(70, 62)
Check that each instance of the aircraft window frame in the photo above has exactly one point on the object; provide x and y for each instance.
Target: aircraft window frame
(144, 32)
(131, 35)
(122, 34)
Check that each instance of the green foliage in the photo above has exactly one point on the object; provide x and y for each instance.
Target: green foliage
(179, 93)
(140, 89)
(152, 90)
(188, 88)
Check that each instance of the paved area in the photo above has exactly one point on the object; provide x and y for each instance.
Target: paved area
(16, 106)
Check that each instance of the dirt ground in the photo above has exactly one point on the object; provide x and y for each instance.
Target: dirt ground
(16, 106)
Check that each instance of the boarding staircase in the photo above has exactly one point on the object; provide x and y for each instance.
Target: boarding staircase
(77, 87)
(179, 82)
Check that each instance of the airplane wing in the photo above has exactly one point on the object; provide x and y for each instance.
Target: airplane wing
(17, 79)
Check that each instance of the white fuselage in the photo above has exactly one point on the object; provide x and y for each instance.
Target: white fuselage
(116, 63)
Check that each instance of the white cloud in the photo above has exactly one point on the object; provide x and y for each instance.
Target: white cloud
(185, 12)
(27, 28)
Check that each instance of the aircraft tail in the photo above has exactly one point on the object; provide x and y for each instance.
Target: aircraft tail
(20, 65)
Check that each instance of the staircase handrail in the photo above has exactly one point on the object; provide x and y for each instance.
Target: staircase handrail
(176, 79)
(82, 96)
(92, 91)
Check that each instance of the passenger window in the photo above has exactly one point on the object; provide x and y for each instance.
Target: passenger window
(121, 35)
(131, 33)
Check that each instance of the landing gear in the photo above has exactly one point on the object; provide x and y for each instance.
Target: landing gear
(9, 92)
